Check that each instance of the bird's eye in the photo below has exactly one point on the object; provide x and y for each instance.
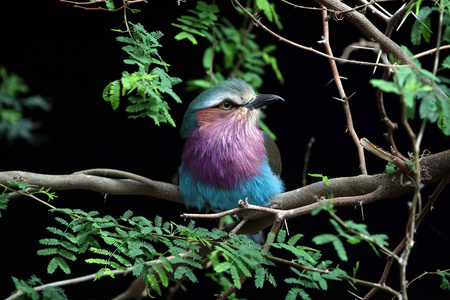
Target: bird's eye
(226, 105)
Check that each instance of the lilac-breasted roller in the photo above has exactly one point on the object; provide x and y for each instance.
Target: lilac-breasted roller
(226, 156)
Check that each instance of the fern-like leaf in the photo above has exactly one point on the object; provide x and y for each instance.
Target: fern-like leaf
(111, 93)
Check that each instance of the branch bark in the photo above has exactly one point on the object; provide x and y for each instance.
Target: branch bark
(101, 184)
(347, 191)
(367, 28)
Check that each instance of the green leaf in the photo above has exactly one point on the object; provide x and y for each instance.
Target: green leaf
(67, 254)
(128, 214)
(19, 184)
(323, 284)
(222, 267)
(390, 168)
(269, 10)
(47, 251)
(421, 26)
(186, 35)
(154, 284)
(243, 268)
(146, 87)
(260, 274)
(99, 261)
(235, 276)
(281, 237)
(445, 285)
(293, 240)
(324, 178)
(162, 275)
(3, 201)
(49, 242)
(443, 124)
(207, 58)
(111, 93)
(336, 242)
(185, 271)
(429, 108)
(139, 267)
(55, 293)
(294, 292)
(56, 262)
(446, 62)
(324, 238)
(109, 272)
(25, 287)
(386, 86)
(110, 5)
(122, 260)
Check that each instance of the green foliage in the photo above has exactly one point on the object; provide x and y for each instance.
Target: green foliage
(309, 271)
(269, 11)
(445, 285)
(295, 292)
(22, 188)
(324, 178)
(390, 168)
(49, 292)
(421, 27)
(13, 121)
(3, 201)
(138, 243)
(158, 251)
(202, 18)
(419, 85)
(109, 4)
(335, 241)
(352, 232)
(241, 256)
(233, 51)
(145, 87)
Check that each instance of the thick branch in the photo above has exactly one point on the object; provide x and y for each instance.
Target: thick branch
(347, 191)
(366, 27)
(104, 185)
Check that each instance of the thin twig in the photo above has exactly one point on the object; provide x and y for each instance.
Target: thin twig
(306, 160)
(280, 38)
(391, 126)
(431, 51)
(342, 94)
(79, 4)
(382, 15)
(425, 273)
(427, 208)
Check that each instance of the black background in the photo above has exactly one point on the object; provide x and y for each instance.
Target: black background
(69, 55)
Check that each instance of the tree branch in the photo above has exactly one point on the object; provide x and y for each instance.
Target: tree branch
(347, 191)
(402, 244)
(279, 37)
(129, 184)
(366, 27)
(342, 94)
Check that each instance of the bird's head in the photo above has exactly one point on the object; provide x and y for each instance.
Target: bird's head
(229, 98)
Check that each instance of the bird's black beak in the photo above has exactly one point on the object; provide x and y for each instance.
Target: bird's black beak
(262, 100)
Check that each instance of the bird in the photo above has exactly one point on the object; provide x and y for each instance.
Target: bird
(226, 156)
